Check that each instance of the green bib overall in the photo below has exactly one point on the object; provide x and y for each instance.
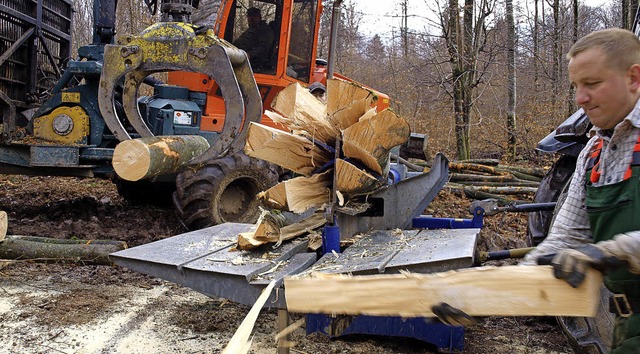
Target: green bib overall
(614, 209)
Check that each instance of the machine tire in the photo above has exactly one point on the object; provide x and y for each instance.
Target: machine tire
(590, 335)
(223, 190)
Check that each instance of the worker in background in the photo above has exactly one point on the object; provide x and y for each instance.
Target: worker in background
(598, 225)
(318, 90)
(257, 40)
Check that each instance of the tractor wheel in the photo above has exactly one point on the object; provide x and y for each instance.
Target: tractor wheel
(223, 190)
(590, 335)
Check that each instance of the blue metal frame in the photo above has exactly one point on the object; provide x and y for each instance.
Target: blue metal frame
(438, 334)
(427, 222)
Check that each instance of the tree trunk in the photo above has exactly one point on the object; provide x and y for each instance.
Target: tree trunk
(142, 158)
(50, 249)
(511, 78)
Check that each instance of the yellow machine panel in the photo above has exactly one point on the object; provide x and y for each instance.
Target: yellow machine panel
(65, 125)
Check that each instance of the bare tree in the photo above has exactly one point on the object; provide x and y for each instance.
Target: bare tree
(511, 78)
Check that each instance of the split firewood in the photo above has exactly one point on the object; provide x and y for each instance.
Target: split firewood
(142, 158)
(275, 197)
(484, 291)
(50, 249)
(293, 152)
(342, 94)
(4, 224)
(268, 232)
(240, 343)
(357, 111)
(371, 140)
(304, 193)
(304, 114)
(353, 180)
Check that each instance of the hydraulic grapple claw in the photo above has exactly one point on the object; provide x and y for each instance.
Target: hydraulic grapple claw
(173, 46)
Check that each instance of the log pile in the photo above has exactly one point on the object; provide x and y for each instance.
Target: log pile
(344, 145)
(487, 179)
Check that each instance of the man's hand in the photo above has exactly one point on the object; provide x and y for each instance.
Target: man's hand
(452, 316)
(571, 264)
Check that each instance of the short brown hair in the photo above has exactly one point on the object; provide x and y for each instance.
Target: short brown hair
(622, 47)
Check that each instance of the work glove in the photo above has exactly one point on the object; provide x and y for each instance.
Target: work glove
(572, 264)
(452, 316)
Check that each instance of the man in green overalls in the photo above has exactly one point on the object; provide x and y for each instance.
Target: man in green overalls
(599, 223)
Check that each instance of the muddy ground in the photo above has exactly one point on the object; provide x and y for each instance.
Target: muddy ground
(75, 308)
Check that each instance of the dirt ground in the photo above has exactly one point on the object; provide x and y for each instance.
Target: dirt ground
(75, 308)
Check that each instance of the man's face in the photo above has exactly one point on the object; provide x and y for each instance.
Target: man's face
(607, 95)
(253, 20)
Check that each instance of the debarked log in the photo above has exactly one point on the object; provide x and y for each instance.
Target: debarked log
(55, 250)
(483, 291)
(142, 158)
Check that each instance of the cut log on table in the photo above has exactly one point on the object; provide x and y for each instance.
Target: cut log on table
(137, 159)
(353, 180)
(293, 152)
(50, 249)
(371, 140)
(485, 291)
(4, 225)
(341, 94)
(304, 114)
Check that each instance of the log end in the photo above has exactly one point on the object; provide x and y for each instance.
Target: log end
(131, 160)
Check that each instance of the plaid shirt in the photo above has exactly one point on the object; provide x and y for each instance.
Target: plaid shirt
(571, 226)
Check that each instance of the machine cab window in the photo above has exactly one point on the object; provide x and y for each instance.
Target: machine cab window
(254, 27)
(303, 28)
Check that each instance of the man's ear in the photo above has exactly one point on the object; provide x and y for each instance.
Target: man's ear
(634, 77)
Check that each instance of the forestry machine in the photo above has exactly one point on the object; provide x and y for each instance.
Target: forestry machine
(210, 90)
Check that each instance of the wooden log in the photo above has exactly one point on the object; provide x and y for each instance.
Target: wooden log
(293, 152)
(4, 224)
(341, 94)
(304, 193)
(304, 114)
(533, 171)
(459, 177)
(465, 166)
(520, 175)
(515, 183)
(484, 291)
(353, 180)
(371, 140)
(142, 158)
(486, 162)
(504, 190)
(50, 249)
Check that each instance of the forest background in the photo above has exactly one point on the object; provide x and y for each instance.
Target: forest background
(481, 78)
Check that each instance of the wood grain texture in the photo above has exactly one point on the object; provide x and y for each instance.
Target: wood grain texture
(485, 291)
(4, 224)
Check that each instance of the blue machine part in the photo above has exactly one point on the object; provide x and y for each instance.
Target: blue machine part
(171, 111)
(427, 222)
(438, 334)
(330, 239)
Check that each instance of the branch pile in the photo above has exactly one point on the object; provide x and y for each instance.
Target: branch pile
(344, 143)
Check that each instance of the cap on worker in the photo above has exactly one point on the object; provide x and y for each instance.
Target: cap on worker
(253, 11)
(317, 86)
